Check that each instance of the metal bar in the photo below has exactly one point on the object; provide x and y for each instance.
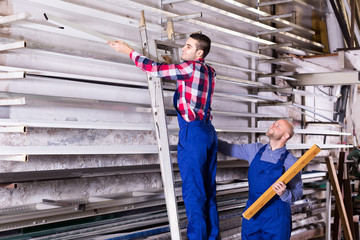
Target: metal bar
(171, 1)
(265, 14)
(14, 45)
(341, 21)
(94, 13)
(241, 51)
(255, 23)
(354, 25)
(286, 15)
(157, 106)
(12, 101)
(325, 117)
(278, 74)
(285, 178)
(327, 79)
(76, 124)
(233, 67)
(17, 158)
(322, 146)
(82, 78)
(78, 150)
(275, 2)
(14, 17)
(328, 211)
(182, 17)
(12, 75)
(276, 30)
(12, 129)
(9, 186)
(264, 130)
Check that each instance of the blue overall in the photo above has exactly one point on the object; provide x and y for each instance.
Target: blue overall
(197, 160)
(273, 221)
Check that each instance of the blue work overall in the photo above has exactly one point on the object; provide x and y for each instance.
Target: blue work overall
(273, 221)
(197, 160)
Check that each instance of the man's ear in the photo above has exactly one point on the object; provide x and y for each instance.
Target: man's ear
(286, 136)
(199, 53)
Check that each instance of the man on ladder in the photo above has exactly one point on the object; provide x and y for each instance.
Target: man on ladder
(197, 147)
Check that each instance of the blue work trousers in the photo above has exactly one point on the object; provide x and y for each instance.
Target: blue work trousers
(197, 161)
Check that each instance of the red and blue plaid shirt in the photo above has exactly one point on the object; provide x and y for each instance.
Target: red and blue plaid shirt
(192, 83)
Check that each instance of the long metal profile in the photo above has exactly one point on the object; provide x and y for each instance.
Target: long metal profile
(14, 45)
(322, 146)
(16, 158)
(62, 22)
(12, 101)
(299, 2)
(78, 150)
(12, 75)
(265, 14)
(318, 114)
(268, 28)
(12, 129)
(14, 17)
(87, 78)
(135, 5)
(241, 51)
(94, 13)
(159, 116)
(232, 67)
(73, 125)
(245, 114)
(327, 79)
(297, 131)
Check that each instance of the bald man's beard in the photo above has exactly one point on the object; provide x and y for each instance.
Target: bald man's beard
(272, 136)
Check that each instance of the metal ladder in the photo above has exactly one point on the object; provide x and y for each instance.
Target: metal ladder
(161, 129)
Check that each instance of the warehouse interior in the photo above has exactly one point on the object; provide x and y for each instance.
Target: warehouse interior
(88, 141)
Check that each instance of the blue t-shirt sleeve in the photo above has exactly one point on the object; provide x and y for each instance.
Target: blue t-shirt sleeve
(294, 189)
(243, 151)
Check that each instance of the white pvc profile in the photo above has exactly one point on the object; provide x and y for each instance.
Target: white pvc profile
(264, 14)
(297, 131)
(12, 101)
(12, 129)
(102, 37)
(268, 29)
(76, 125)
(182, 17)
(135, 5)
(241, 51)
(94, 13)
(244, 114)
(78, 150)
(232, 67)
(14, 17)
(239, 81)
(16, 158)
(37, 72)
(286, 15)
(12, 75)
(14, 45)
(321, 146)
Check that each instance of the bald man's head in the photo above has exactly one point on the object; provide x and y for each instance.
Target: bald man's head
(281, 129)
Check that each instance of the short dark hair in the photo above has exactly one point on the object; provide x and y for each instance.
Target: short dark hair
(203, 42)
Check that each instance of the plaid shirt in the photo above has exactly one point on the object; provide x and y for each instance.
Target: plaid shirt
(192, 83)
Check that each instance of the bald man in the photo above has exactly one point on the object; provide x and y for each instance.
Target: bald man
(267, 162)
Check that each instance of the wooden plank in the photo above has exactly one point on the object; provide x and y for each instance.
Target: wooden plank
(338, 198)
(285, 178)
(336, 224)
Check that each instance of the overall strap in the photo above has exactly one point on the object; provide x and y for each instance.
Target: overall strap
(207, 106)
